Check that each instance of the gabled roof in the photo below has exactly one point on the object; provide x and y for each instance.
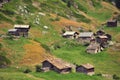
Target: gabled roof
(21, 26)
(59, 63)
(87, 66)
(93, 46)
(86, 34)
(69, 33)
(12, 30)
(112, 20)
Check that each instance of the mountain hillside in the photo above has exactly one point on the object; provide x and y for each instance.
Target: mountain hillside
(48, 20)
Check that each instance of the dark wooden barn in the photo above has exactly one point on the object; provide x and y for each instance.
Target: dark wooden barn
(85, 37)
(85, 68)
(94, 48)
(56, 65)
(102, 39)
(112, 23)
(22, 29)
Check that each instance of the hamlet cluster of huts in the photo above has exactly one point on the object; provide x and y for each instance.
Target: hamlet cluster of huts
(95, 42)
(63, 67)
(55, 64)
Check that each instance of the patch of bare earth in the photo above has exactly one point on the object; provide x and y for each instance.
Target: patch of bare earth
(66, 22)
(35, 54)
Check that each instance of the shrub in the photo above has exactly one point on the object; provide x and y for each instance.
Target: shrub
(63, 30)
(10, 37)
(81, 30)
(1, 46)
(46, 47)
(57, 46)
(55, 19)
(27, 70)
(51, 19)
(8, 12)
(86, 44)
(19, 17)
(38, 68)
(65, 1)
(99, 74)
(4, 61)
(115, 77)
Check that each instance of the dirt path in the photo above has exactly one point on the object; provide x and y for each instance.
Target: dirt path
(35, 54)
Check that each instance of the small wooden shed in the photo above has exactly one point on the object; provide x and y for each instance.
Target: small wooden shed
(85, 68)
(112, 23)
(94, 48)
(56, 65)
(70, 34)
(85, 37)
(102, 39)
(22, 29)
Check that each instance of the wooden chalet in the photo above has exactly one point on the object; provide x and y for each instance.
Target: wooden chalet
(70, 34)
(13, 32)
(85, 37)
(112, 23)
(102, 39)
(22, 29)
(94, 48)
(85, 68)
(56, 65)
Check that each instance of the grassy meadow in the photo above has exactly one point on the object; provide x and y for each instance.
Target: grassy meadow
(103, 61)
